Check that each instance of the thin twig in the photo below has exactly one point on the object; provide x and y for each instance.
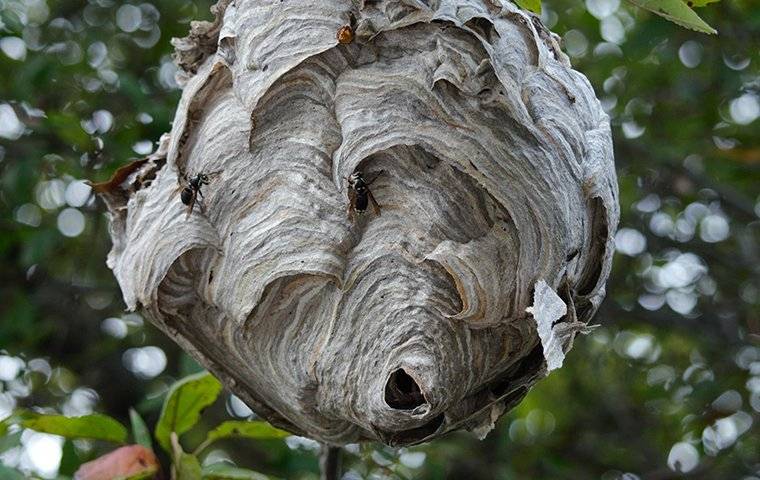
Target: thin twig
(330, 462)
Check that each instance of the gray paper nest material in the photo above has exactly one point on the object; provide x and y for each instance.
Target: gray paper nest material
(556, 336)
(496, 172)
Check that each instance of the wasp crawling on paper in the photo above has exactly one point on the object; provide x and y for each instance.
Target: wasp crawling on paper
(191, 190)
(360, 196)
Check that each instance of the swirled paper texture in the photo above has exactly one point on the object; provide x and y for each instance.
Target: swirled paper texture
(493, 168)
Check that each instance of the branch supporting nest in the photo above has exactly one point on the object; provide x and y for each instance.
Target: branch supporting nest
(330, 463)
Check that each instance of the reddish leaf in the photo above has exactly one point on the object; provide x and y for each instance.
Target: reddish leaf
(125, 462)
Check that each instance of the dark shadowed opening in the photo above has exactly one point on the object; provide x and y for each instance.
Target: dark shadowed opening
(402, 392)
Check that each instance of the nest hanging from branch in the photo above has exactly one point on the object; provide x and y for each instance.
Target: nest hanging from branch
(493, 170)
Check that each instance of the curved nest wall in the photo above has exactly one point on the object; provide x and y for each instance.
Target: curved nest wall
(491, 162)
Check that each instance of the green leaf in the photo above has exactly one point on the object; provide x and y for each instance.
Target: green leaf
(140, 430)
(7, 473)
(225, 471)
(183, 405)
(70, 461)
(188, 467)
(95, 426)
(142, 476)
(677, 12)
(532, 5)
(9, 441)
(699, 3)
(256, 430)
(14, 418)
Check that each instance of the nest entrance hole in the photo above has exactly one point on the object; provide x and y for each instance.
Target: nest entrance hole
(402, 391)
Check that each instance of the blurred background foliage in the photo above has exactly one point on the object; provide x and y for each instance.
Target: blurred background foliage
(667, 387)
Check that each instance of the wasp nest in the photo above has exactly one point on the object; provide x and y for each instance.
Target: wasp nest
(491, 162)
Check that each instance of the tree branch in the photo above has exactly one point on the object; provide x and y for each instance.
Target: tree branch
(330, 463)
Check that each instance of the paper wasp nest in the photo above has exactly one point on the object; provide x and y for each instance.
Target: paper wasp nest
(496, 183)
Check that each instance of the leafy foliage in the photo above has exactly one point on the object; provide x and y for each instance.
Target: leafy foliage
(140, 430)
(10, 473)
(225, 471)
(181, 412)
(184, 404)
(677, 12)
(532, 5)
(95, 426)
(670, 344)
(700, 3)
(188, 467)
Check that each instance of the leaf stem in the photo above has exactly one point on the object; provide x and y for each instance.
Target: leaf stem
(200, 448)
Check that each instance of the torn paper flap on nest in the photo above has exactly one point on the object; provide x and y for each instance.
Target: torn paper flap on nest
(556, 336)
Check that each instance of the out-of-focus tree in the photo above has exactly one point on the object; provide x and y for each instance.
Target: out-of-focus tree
(667, 387)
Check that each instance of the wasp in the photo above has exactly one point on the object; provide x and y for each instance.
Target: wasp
(345, 35)
(190, 192)
(360, 196)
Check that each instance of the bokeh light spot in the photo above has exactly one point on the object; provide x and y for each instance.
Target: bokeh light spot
(128, 18)
(42, 453)
(14, 48)
(77, 193)
(10, 126)
(602, 8)
(29, 214)
(714, 228)
(629, 241)
(412, 459)
(71, 222)
(114, 327)
(690, 54)
(683, 457)
(145, 362)
(745, 109)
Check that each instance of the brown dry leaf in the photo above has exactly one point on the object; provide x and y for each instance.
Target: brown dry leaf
(121, 174)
